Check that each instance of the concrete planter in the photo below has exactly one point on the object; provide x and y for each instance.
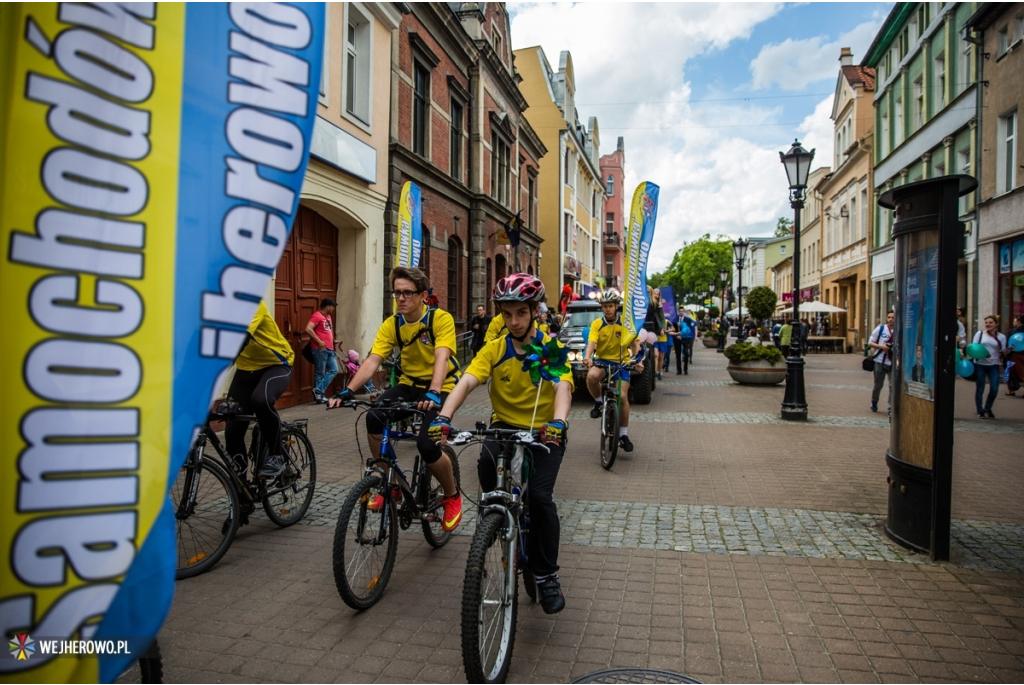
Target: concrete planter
(757, 372)
(709, 342)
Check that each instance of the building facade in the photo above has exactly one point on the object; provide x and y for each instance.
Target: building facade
(846, 195)
(571, 189)
(925, 126)
(458, 132)
(613, 168)
(1000, 251)
(810, 237)
(337, 240)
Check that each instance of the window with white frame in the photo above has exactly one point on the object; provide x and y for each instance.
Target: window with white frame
(500, 169)
(912, 32)
(1002, 40)
(566, 228)
(1006, 153)
(863, 213)
(609, 187)
(358, 53)
(1018, 28)
(455, 141)
(884, 120)
(897, 121)
(963, 77)
(854, 221)
(918, 102)
(609, 222)
(939, 72)
(420, 109)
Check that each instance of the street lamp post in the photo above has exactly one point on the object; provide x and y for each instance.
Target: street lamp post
(739, 251)
(798, 164)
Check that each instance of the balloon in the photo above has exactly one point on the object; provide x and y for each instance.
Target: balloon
(965, 367)
(1017, 342)
(977, 351)
(586, 334)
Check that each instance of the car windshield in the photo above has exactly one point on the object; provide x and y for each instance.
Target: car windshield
(581, 317)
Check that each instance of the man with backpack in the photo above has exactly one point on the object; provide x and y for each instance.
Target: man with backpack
(881, 342)
(684, 342)
(425, 338)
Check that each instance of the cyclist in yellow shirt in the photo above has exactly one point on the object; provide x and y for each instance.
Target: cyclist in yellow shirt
(263, 370)
(426, 340)
(513, 398)
(608, 340)
(496, 328)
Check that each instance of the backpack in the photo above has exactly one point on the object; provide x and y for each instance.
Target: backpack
(456, 371)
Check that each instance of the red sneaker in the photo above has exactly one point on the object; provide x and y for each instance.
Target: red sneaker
(377, 501)
(452, 512)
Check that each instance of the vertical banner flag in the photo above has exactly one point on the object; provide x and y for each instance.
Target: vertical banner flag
(151, 162)
(639, 235)
(668, 303)
(410, 227)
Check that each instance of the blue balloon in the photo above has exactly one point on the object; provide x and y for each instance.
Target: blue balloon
(964, 368)
(586, 334)
(1017, 342)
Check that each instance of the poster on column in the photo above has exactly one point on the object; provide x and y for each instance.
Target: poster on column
(152, 160)
(917, 323)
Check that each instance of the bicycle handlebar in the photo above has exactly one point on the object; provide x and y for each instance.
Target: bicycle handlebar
(385, 405)
(516, 435)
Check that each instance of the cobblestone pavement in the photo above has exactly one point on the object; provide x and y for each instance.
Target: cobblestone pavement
(729, 545)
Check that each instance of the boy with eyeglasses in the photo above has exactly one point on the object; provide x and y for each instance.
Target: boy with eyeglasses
(426, 340)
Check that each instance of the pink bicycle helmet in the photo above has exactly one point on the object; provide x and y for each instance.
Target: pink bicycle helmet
(518, 288)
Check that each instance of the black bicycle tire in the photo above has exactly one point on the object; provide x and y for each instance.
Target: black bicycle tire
(610, 434)
(151, 664)
(487, 533)
(292, 520)
(235, 513)
(441, 539)
(366, 486)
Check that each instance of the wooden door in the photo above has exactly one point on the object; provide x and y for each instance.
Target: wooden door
(308, 272)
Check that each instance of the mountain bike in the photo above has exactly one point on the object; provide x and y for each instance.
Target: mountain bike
(212, 498)
(611, 407)
(366, 540)
(497, 557)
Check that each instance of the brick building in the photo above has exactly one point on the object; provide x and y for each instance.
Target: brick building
(458, 132)
(613, 169)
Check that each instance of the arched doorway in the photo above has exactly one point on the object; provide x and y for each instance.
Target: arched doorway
(307, 273)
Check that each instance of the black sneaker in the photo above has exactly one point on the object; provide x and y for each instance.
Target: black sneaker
(624, 442)
(274, 465)
(989, 414)
(981, 415)
(595, 413)
(550, 594)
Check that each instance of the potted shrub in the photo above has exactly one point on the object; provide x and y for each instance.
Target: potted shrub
(755, 364)
(710, 339)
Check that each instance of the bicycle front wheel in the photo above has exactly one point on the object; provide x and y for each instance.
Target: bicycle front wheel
(289, 494)
(609, 433)
(490, 594)
(431, 501)
(208, 514)
(365, 544)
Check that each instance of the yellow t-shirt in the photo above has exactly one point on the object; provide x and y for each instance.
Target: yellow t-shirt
(512, 392)
(610, 341)
(496, 328)
(543, 328)
(267, 347)
(418, 352)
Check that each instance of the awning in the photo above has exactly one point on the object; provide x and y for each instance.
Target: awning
(845, 276)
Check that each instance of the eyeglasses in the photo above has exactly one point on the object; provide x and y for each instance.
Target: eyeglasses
(405, 294)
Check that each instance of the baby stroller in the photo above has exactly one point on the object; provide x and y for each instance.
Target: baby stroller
(352, 365)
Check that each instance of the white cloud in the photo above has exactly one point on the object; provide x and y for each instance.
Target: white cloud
(795, 64)
(713, 180)
(817, 132)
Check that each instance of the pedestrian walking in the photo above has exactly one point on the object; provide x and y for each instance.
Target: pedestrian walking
(881, 342)
(478, 325)
(785, 337)
(988, 367)
(687, 334)
(320, 330)
(723, 331)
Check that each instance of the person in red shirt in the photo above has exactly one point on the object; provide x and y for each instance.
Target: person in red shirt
(320, 330)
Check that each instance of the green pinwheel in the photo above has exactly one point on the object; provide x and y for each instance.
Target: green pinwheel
(546, 360)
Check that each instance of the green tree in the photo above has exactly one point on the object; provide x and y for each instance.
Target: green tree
(784, 227)
(696, 265)
(760, 302)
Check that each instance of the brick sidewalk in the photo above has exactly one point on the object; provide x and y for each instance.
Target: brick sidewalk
(728, 546)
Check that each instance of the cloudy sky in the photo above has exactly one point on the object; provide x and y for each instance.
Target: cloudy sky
(705, 95)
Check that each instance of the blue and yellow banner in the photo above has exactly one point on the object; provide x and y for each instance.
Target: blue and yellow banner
(151, 158)
(638, 239)
(410, 227)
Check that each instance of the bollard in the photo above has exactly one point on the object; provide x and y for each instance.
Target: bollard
(928, 237)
